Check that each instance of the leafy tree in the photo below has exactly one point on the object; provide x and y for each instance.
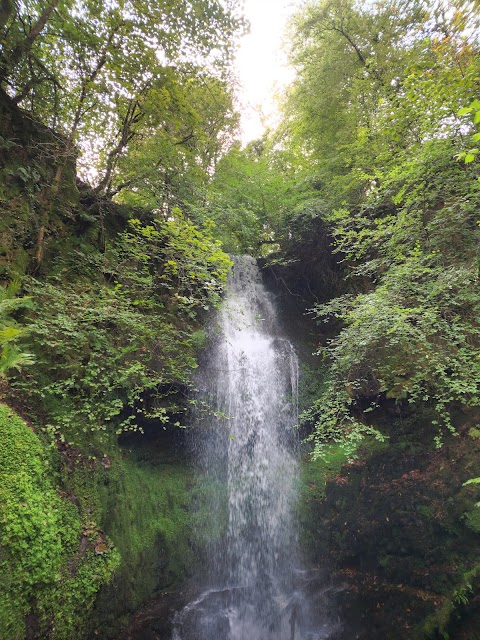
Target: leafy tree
(183, 125)
(251, 193)
(92, 71)
(376, 109)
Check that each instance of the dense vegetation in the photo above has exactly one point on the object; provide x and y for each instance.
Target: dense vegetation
(102, 307)
(364, 203)
(401, 205)
(375, 163)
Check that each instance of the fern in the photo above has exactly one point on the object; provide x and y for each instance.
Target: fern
(11, 357)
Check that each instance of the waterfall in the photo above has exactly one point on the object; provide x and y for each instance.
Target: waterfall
(250, 378)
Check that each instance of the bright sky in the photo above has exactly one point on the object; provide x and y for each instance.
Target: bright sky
(261, 63)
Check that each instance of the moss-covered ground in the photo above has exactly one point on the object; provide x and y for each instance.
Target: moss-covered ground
(75, 532)
(51, 562)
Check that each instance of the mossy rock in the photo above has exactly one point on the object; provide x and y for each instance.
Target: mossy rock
(49, 570)
(155, 511)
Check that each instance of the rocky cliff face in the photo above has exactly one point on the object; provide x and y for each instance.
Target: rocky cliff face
(42, 219)
(403, 533)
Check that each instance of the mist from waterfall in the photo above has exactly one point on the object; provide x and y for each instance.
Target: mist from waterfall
(252, 582)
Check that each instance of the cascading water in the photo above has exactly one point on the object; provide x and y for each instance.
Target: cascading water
(252, 586)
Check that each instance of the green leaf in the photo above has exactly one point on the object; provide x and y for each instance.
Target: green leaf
(471, 481)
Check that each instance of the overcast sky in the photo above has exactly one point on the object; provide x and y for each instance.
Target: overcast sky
(261, 63)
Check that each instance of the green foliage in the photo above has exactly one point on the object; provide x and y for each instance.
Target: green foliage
(140, 98)
(162, 519)
(170, 165)
(252, 192)
(362, 172)
(199, 340)
(439, 622)
(474, 109)
(472, 519)
(11, 357)
(86, 68)
(109, 354)
(141, 94)
(160, 537)
(472, 481)
(374, 107)
(176, 265)
(314, 475)
(415, 333)
(113, 322)
(331, 420)
(153, 534)
(43, 567)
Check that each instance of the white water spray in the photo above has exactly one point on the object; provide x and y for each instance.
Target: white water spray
(251, 376)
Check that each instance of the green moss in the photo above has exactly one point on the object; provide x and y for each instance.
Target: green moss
(72, 605)
(152, 504)
(472, 519)
(199, 339)
(426, 510)
(209, 511)
(47, 564)
(437, 624)
(314, 475)
(142, 498)
(474, 433)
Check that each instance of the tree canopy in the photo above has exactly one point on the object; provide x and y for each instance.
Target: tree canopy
(106, 74)
(384, 105)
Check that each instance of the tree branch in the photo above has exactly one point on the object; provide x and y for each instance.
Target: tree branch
(10, 61)
(133, 115)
